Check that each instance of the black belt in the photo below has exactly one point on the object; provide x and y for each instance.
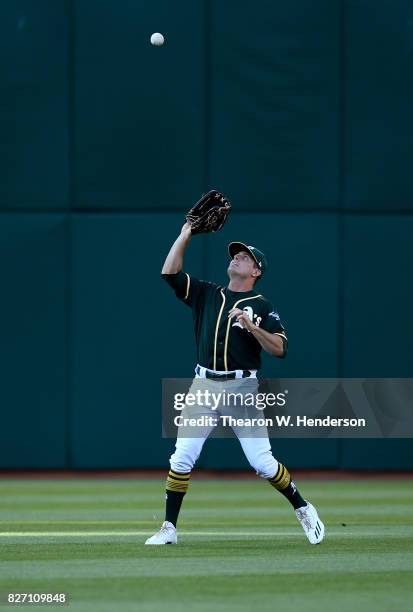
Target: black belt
(224, 375)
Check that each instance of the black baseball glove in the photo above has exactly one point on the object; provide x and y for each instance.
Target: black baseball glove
(209, 213)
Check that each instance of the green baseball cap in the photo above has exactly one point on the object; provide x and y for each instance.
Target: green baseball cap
(257, 255)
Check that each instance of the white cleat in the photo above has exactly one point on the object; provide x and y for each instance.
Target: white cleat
(313, 527)
(166, 535)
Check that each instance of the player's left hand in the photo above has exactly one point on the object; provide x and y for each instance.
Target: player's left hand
(242, 318)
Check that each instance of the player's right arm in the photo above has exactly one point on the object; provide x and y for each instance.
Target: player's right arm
(187, 288)
(175, 259)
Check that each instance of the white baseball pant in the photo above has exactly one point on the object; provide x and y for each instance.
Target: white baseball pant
(254, 440)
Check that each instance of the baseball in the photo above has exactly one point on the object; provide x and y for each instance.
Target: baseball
(157, 39)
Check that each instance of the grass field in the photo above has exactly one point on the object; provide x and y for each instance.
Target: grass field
(240, 546)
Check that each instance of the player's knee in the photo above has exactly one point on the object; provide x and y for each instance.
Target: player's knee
(265, 465)
(182, 461)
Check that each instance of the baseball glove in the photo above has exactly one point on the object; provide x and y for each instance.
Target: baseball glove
(209, 213)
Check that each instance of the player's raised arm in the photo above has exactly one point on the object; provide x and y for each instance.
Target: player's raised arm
(175, 259)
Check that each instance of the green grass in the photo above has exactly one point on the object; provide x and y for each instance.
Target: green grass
(240, 546)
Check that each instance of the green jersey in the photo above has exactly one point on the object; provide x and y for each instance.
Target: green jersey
(222, 343)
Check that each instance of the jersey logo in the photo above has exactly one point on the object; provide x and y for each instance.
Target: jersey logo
(252, 317)
(275, 315)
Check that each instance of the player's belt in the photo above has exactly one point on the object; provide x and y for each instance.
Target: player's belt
(224, 375)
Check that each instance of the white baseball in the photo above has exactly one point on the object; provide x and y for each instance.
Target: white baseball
(157, 39)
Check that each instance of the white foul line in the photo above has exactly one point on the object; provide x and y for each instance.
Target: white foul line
(35, 534)
(213, 534)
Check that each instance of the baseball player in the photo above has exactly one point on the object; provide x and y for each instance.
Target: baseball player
(232, 325)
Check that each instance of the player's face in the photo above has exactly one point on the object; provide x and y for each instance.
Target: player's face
(242, 265)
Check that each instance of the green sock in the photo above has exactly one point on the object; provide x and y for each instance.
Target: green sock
(283, 483)
(173, 506)
(293, 496)
(176, 487)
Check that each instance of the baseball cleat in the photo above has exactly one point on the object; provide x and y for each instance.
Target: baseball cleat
(313, 527)
(166, 535)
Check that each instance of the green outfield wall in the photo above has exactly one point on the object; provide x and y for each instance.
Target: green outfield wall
(299, 111)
